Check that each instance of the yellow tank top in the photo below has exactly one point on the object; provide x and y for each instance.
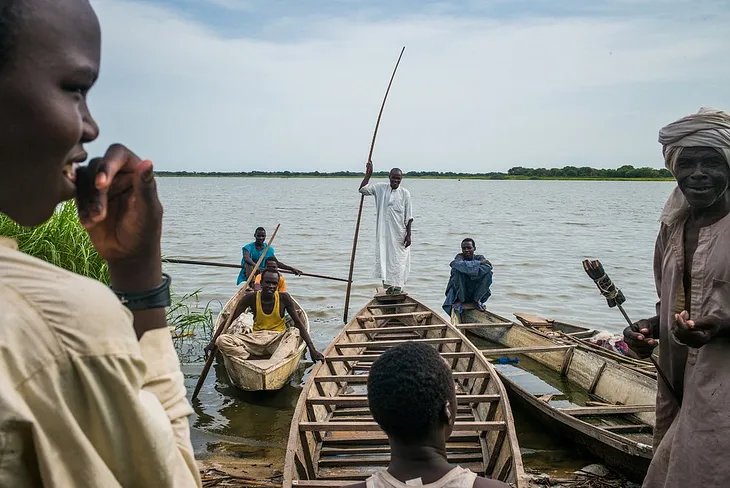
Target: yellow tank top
(273, 321)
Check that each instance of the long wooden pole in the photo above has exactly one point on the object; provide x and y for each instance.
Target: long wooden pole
(362, 197)
(238, 266)
(222, 327)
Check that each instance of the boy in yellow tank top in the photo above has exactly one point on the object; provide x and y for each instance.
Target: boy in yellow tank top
(270, 337)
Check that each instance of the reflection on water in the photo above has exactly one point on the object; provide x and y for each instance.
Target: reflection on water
(536, 233)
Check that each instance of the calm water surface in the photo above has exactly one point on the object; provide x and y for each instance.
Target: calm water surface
(536, 233)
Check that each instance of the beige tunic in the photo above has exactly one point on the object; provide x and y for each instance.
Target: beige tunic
(82, 402)
(456, 478)
(692, 442)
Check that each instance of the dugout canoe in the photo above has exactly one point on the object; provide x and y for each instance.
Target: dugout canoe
(603, 406)
(565, 332)
(256, 374)
(334, 440)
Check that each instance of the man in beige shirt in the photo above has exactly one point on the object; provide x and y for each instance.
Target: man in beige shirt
(91, 393)
(692, 325)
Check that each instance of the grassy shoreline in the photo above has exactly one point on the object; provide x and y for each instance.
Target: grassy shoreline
(63, 242)
(173, 174)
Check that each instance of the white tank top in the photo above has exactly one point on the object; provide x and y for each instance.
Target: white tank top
(456, 478)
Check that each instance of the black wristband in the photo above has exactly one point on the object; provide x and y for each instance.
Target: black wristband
(157, 297)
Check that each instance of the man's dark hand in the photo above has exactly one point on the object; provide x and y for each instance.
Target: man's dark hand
(407, 241)
(697, 333)
(316, 356)
(208, 349)
(639, 338)
(369, 168)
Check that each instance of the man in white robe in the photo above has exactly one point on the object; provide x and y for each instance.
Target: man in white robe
(394, 216)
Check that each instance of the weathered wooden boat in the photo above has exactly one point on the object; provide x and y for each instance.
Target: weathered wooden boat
(578, 334)
(593, 400)
(334, 440)
(260, 374)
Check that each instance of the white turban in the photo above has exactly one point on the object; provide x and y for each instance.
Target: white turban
(709, 127)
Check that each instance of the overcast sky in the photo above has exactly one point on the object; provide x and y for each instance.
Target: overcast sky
(240, 85)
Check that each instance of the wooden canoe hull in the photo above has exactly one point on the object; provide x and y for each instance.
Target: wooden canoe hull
(334, 441)
(597, 375)
(253, 375)
(579, 335)
(611, 449)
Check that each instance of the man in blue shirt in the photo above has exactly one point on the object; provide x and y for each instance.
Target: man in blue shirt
(252, 252)
(470, 280)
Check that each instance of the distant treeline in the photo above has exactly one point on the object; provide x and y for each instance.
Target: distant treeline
(518, 172)
(626, 171)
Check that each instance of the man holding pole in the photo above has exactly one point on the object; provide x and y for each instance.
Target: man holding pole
(394, 217)
(692, 325)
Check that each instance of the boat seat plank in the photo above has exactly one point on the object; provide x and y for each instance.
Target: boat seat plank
(466, 417)
(525, 350)
(533, 320)
(402, 328)
(400, 315)
(363, 378)
(612, 410)
(380, 460)
(392, 305)
(379, 438)
(347, 411)
(450, 447)
(373, 426)
(362, 401)
(373, 357)
(386, 343)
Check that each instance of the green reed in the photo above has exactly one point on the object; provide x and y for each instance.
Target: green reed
(61, 241)
(64, 242)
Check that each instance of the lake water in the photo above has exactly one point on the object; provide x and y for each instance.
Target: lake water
(535, 233)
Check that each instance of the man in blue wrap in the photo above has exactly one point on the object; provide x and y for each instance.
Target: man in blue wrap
(471, 277)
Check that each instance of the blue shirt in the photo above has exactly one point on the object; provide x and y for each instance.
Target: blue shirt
(255, 255)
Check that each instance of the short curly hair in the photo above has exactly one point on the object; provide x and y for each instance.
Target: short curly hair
(408, 387)
(9, 18)
(266, 271)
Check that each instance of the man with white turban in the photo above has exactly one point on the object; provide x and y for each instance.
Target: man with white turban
(692, 325)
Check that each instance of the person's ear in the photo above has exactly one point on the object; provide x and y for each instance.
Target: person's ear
(447, 413)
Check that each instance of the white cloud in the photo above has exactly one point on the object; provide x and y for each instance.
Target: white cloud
(471, 94)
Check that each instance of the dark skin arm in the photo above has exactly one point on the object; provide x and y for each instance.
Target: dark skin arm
(119, 207)
(640, 336)
(407, 240)
(292, 311)
(368, 174)
(289, 268)
(247, 258)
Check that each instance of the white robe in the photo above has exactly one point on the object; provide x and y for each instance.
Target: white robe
(393, 212)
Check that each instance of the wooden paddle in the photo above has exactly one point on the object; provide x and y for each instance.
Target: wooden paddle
(224, 326)
(238, 266)
(615, 298)
(362, 197)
